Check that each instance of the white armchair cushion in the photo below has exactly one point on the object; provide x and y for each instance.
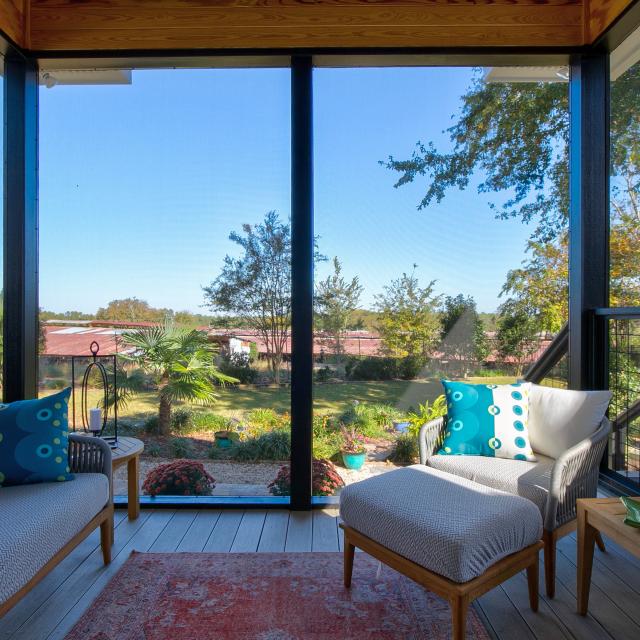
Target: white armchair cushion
(559, 418)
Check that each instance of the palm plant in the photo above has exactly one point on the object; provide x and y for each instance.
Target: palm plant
(181, 363)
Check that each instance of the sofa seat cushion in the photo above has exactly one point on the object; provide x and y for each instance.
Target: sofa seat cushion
(447, 524)
(37, 520)
(527, 479)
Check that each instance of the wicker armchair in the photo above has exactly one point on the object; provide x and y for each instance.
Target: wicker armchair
(573, 475)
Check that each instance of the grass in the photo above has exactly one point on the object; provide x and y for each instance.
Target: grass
(328, 398)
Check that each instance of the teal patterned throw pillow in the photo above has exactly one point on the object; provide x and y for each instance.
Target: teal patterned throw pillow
(487, 420)
(34, 440)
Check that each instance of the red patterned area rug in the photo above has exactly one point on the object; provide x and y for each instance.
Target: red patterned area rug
(264, 596)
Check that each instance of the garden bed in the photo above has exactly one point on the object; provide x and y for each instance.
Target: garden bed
(245, 478)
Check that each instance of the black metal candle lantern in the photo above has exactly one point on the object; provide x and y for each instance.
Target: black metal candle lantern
(96, 366)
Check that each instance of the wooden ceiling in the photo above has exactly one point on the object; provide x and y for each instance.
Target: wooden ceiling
(116, 25)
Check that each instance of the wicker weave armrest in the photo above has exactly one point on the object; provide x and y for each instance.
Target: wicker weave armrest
(575, 475)
(430, 438)
(89, 455)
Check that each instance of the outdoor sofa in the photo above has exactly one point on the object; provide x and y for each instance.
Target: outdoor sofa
(42, 523)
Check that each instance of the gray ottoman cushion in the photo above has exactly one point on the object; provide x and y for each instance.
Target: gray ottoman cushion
(452, 526)
(37, 520)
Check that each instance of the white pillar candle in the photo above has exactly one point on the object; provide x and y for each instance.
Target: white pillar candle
(95, 419)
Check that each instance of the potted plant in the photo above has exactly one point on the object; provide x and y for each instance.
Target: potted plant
(353, 450)
(224, 438)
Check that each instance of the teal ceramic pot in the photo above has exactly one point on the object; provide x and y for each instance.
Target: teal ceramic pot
(222, 441)
(354, 461)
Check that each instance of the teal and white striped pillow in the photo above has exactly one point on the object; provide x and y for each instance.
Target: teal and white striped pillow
(487, 420)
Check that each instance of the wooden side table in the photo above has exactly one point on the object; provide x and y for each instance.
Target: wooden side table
(604, 515)
(128, 452)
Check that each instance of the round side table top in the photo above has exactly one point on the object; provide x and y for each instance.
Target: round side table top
(127, 448)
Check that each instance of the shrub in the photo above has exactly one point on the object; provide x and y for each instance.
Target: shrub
(491, 373)
(426, 412)
(323, 374)
(411, 366)
(372, 420)
(273, 445)
(153, 449)
(181, 478)
(327, 446)
(210, 421)
(327, 439)
(182, 421)
(263, 420)
(405, 449)
(55, 383)
(325, 480)
(238, 365)
(372, 368)
(180, 447)
(151, 424)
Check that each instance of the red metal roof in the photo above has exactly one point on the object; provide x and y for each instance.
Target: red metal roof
(75, 341)
(69, 340)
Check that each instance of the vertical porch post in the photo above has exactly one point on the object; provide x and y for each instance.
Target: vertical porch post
(302, 240)
(588, 218)
(20, 325)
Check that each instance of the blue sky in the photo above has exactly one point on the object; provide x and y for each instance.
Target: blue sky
(140, 185)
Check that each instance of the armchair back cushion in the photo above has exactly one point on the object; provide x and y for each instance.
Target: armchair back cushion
(560, 418)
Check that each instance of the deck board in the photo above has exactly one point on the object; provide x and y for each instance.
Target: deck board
(53, 607)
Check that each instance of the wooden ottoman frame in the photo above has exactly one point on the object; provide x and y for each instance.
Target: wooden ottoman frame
(459, 594)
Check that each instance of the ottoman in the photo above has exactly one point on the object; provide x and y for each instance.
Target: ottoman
(454, 536)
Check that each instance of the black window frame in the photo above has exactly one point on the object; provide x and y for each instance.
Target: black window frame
(589, 103)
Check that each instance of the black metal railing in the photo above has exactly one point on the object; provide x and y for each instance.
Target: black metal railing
(551, 368)
(623, 331)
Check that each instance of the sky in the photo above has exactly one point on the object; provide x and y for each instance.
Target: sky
(141, 184)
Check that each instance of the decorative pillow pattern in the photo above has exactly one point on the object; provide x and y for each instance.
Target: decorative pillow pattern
(34, 440)
(487, 420)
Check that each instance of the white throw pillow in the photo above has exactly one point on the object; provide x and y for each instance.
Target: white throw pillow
(560, 418)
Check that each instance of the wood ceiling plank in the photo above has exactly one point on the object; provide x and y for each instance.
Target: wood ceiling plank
(601, 14)
(82, 17)
(12, 20)
(325, 37)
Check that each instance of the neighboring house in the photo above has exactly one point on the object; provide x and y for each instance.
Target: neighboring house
(74, 339)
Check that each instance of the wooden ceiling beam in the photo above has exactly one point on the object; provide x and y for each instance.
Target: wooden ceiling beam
(103, 25)
(156, 25)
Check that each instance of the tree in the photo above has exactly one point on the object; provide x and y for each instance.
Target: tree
(256, 286)
(408, 321)
(463, 336)
(517, 337)
(336, 299)
(180, 362)
(516, 135)
(539, 289)
(132, 310)
(66, 315)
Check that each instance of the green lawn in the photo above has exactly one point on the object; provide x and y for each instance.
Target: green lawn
(328, 398)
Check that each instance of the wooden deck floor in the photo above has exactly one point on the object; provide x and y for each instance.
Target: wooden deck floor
(51, 609)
